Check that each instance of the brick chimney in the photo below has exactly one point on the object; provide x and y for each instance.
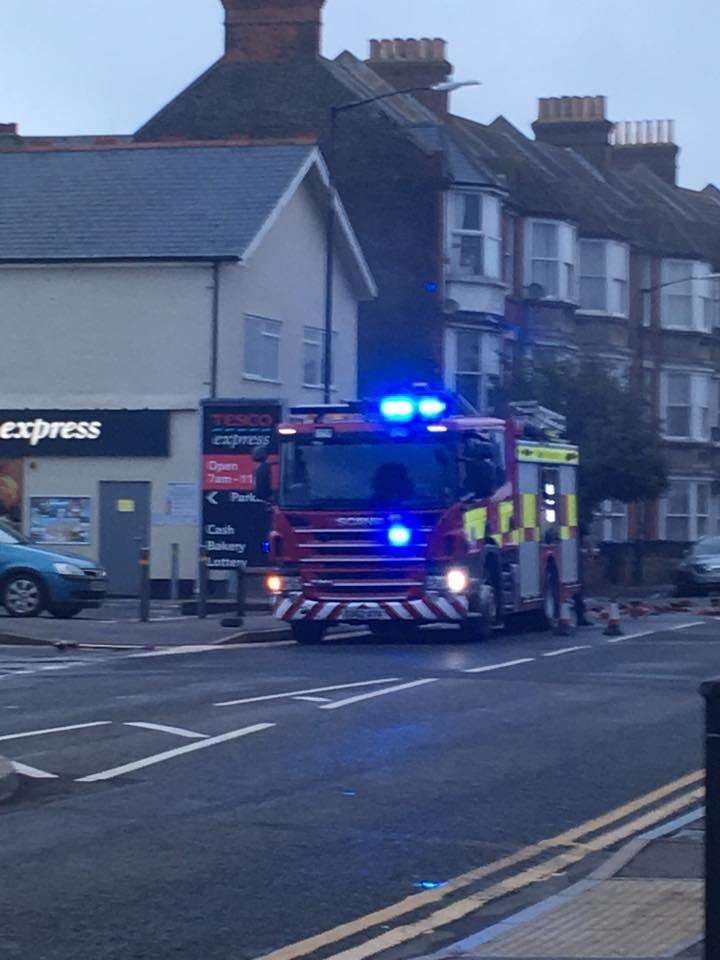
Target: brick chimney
(577, 122)
(648, 142)
(9, 136)
(272, 31)
(405, 64)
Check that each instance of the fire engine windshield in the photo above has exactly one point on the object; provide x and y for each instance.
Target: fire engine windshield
(368, 472)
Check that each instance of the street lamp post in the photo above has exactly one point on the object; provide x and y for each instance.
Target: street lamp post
(446, 87)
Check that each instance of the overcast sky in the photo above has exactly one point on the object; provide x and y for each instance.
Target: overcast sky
(105, 66)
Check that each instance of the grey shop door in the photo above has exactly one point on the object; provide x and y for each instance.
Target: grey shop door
(124, 529)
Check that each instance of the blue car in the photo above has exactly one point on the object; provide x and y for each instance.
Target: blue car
(33, 579)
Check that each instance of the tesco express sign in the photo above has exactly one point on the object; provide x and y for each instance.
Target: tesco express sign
(84, 433)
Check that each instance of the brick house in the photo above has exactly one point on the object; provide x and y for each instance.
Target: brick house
(479, 236)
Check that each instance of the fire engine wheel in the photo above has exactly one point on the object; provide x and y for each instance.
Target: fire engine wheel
(478, 629)
(551, 599)
(308, 633)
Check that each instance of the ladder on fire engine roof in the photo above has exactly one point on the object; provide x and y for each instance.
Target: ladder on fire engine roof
(532, 414)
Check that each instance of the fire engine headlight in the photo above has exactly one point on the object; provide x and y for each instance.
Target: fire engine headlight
(457, 580)
(275, 583)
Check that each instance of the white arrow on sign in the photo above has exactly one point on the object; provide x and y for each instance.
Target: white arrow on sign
(211, 498)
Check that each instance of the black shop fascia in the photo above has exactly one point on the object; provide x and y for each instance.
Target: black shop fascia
(84, 433)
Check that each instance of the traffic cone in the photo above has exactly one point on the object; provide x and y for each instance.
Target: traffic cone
(613, 628)
(564, 626)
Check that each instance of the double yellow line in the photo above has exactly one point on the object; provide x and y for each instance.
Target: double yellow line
(575, 845)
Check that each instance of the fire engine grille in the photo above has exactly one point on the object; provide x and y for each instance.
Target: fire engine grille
(339, 564)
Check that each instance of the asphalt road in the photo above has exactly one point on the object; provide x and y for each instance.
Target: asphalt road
(233, 803)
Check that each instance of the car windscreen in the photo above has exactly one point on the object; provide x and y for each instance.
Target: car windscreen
(8, 535)
(708, 548)
(369, 472)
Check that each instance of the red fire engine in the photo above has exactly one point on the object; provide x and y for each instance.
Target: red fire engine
(408, 512)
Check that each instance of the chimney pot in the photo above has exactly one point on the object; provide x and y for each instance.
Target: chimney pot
(414, 63)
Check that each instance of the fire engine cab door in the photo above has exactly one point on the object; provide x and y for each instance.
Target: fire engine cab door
(529, 529)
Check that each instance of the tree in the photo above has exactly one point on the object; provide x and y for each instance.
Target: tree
(610, 421)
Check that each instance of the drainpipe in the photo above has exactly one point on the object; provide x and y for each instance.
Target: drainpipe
(215, 331)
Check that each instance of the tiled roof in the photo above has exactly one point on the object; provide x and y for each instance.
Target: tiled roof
(634, 205)
(141, 203)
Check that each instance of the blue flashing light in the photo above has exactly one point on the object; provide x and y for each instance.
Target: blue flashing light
(399, 535)
(398, 409)
(431, 408)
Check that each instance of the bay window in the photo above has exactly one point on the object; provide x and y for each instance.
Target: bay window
(689, 302)
(689, 510)
(687, 405)
(611, 522)
(604, 277)
(476, 236)
(552, 259)
(473, 365)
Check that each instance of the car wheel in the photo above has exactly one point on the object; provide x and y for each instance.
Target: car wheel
(65, 613)
(23, 595)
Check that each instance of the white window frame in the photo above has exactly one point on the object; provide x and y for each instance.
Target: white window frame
(488, 372)
(696, 527)
(315, 337)
(702, 294)
(701, 403)
(566, 261)
(609, 513)
(271, 338)
(616, 270)
(489, 235)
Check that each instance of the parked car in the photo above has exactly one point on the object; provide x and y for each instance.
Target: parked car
(699, 569)
(35, 578)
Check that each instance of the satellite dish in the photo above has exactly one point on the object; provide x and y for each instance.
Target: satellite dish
(450, 307)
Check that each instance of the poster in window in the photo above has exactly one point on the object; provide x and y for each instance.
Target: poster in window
(60, 520)
(11, 491)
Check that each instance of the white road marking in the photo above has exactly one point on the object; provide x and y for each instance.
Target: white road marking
(559, 653)
(633, 636)
(178, 731)
(660, 629)
(500, 666)
(304, 693)
(171, 754)
(211, 648)
(377, 693)
(313, 699)
(41, 733)
(33, 772)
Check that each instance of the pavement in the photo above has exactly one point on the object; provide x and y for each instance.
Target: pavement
(646, 901)
(355, 800)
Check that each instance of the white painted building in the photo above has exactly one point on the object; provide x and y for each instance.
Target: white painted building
(134, 284)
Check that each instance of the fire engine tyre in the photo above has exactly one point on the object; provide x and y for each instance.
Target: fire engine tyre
(479, 629)
(551, 599)
(308, 633)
